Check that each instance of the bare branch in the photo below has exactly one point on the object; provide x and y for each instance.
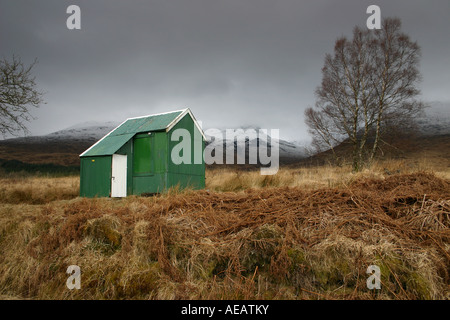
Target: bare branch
(18, 94)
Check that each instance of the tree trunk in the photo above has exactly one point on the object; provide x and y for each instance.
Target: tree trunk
(377, 134)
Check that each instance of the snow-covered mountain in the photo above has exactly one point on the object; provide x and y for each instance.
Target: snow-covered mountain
(436, 120)
(86, 130)
(253, 136)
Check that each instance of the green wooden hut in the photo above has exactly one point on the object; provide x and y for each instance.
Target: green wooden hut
(135, 158)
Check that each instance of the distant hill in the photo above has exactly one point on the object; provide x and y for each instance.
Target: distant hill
(63, 147)
(251, 136)
(86, 131)
(431, 139)
(436, 120)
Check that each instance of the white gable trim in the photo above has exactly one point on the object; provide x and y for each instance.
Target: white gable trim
(156, 114)
(181, 116)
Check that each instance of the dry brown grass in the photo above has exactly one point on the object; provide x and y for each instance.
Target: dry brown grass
(302, 234)
(321, 176)
(21, 189)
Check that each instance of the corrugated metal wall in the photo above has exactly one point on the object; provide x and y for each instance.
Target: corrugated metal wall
(187, 175)
(96, 176)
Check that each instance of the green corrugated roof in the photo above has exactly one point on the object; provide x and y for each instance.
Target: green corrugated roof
(112, 142)
(146, 124)
(109, 145)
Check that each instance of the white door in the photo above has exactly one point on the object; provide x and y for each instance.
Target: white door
(119, 176)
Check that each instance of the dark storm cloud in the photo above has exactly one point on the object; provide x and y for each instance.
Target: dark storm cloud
(233, 62)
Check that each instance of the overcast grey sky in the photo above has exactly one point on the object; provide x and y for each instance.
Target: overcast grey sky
(233, 62)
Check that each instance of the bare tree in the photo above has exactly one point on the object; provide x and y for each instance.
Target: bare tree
(18, 94)
(369, 82)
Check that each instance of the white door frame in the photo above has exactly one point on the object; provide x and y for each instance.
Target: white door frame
(119, 176)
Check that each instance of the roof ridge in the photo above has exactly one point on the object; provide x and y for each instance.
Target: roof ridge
(157, 114)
